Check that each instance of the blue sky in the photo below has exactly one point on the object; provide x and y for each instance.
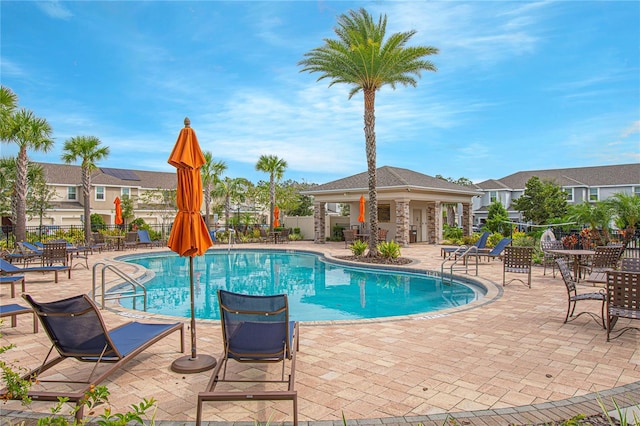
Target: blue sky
(520, 85)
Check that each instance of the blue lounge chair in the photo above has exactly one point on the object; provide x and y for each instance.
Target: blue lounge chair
(7, 268)
(14, 310)
(144, 238)
(77, 332)
(12, 280)
(496, 252)
(255, 329)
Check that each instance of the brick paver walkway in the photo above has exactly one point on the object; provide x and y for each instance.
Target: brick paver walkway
(506, 359)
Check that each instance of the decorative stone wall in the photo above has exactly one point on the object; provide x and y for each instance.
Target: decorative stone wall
(431, 223)
(467, 219)
(438, 222)
(319, 215)
(402, 223)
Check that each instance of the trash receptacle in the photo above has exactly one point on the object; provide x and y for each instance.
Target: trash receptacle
(413, 235)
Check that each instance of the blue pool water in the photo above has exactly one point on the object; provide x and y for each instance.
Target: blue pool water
(317, 290)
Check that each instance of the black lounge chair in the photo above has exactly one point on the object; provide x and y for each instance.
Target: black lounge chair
(10, 269)
(77, 331)
(255, 329)
(14, 310)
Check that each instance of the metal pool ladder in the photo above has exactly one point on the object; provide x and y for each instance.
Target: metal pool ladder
(131, 292)
(452, 261)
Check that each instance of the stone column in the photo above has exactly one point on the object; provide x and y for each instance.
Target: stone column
(431, 224)
(438, 222)
(467, 219)
(402, 223)
(319, 214)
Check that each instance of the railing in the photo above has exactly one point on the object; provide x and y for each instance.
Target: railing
(116, 294)
(462, 253)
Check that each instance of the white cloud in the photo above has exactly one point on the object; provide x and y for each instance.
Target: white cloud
(55, 9)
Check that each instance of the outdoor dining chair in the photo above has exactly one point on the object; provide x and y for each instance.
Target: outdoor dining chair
(517, 260)
(573, 297)
(623, 300)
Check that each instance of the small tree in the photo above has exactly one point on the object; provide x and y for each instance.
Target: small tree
(541, 201)
(39, 199)
(498, 219)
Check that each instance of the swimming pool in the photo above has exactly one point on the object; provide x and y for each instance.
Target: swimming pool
(317, 289)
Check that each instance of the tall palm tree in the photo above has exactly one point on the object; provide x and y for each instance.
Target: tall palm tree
(87, 149)
(29, 132)
(211, 172)
(275, 167)
(231, 190)
(363, 59)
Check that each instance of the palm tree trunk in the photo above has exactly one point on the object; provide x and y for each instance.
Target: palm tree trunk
(272, 199)
(21, 194)
(86, 193)
(370, 141)
(207, 203)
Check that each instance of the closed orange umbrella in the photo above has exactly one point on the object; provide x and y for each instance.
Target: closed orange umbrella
(361, 215)
(118, 219)
(276, 214)
(189, 234)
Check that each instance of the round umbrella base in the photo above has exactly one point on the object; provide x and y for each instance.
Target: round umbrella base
(187, 365)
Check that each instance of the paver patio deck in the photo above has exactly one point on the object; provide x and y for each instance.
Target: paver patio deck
(506, 359)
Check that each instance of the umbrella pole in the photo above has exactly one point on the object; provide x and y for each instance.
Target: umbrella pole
(193, 363)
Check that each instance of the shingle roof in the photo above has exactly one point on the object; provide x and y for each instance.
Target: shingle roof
(391, 177)
(69, 174)
(615, 175)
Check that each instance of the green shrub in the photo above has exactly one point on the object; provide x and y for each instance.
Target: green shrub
(389, 249)
(451, 233)
(359, 247)
(494, 239)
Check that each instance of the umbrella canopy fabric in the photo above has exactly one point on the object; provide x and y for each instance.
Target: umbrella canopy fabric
(361, 215)
(276, 214)
(118, 219)
(189, 234)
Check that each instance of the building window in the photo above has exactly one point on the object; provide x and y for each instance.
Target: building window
(384, 213)
(593, 194)
(125, 192)
(636, 191)
(569, 193)
(71, 193)
(100, 193)
(493, 196)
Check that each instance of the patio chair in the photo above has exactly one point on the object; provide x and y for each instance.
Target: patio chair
(14, 310)
(517, 260)
(623, 300)
(349, 237)
(630, 264)
(144, 239)
(284, 236)
(255, 329)
(12, 280)
(382, 234)
(605, 258)
(548, 257)
(77, 332)
(130, 240)
(7, 268)
(573, 297)
(98, 242)
(496, 252)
